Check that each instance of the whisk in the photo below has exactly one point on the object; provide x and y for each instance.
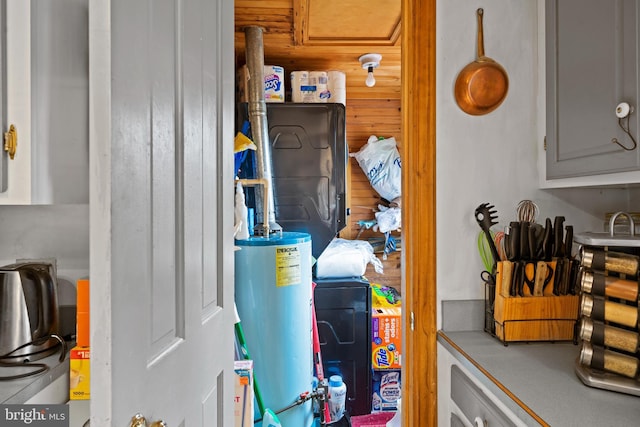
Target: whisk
(527, 211)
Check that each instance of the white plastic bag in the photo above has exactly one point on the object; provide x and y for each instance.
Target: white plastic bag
(240, 211)
(380, 161)
(346, 258)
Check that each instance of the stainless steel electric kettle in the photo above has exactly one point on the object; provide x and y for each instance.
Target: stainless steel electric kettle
(28, 311)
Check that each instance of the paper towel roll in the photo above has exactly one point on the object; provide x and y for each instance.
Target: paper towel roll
(320, 80)
(337, 87)
(301, 89)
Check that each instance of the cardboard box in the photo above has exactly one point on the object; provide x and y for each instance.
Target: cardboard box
(80, 373)
(386, 390)
(386, 345)
(243, 398)
(273, 84)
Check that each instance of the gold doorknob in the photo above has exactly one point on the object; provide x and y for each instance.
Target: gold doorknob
(138, 420)
(11, 141)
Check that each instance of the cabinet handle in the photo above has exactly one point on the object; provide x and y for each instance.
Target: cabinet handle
(479, 422)
(11, 141)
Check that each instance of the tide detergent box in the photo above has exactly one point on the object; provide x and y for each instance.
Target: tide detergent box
(273, 84)
(386, 390)
(386, 330)
(79, 373)
(243, 398)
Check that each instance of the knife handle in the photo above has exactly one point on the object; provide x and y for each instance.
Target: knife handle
(513, 241)
(541, 275)
(558, 243)
(507, 273)
(524, 240)
(568, 241)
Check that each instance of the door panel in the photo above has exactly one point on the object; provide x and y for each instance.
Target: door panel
(170, 238)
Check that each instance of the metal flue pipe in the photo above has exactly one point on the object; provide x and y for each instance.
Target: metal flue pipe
(259, 128)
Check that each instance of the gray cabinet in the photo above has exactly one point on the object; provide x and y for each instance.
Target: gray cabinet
(591, 67)
(45, 96)
(476, 406)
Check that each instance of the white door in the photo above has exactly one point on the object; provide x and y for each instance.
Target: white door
(161, 123)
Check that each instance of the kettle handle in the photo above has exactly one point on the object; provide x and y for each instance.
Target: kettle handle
(47, 301)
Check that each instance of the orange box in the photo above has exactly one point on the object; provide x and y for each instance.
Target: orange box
(386, 331)
(82, 313)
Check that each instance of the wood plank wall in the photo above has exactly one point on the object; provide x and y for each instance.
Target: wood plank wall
(366, 117)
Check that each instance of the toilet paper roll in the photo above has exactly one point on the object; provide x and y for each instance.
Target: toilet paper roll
(320, 80)
(337, 87)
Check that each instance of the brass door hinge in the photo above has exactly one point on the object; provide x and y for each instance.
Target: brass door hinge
(545, 143)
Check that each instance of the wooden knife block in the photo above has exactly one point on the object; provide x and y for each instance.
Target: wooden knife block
(551, 318)
(539, 318)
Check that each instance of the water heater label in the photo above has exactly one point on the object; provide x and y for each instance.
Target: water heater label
(288, 270)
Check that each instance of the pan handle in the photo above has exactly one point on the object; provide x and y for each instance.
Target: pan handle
(480, 13)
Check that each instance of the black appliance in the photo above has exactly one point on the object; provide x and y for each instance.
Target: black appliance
(309, 154)
(343, 311)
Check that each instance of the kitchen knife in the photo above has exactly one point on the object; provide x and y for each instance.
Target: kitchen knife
(524, 240)
(542, 278)
(507, 272)
(512, 241)
(529, 277)
(558, 241)
(558, 277)
(517, 281)
(548, 286)
(536, 236)
(547, 241)
(568, 241)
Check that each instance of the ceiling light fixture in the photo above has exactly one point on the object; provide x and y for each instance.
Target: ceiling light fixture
(370, 61)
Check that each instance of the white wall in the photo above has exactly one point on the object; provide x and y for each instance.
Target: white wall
(43, 232)
(494, 158)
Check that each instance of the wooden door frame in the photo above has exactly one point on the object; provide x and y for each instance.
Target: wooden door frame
(419, 377)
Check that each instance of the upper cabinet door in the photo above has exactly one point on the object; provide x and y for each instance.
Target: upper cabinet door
(45, 72)
(592, 66)
(15, 176)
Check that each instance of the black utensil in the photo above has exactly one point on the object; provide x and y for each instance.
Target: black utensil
(558, 242)
(536, 236)
(512, 241)
(517, 281)
(525, 252)
(568, 241)
(547, 241)
(486, 217)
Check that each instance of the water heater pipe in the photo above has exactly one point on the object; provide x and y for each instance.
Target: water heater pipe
(259, 127)
(246, 182)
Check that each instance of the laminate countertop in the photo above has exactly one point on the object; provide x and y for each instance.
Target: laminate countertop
(539, 381)
(19, 391)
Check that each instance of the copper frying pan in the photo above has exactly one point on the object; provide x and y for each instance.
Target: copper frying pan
(482, 85)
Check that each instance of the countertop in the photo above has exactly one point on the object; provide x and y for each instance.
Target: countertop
(539, 381)
(21, 390)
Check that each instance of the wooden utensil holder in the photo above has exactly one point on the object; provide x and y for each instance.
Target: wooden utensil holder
(534, 318)
(546, 318)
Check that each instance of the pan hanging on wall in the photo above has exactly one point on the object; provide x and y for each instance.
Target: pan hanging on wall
(482, 85)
